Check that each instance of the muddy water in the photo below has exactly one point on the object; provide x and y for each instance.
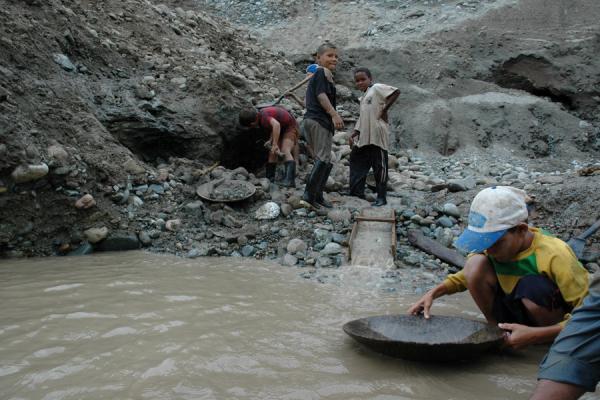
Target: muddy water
(140, 326)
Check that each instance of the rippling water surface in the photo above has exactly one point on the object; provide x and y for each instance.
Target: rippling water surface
(140, 326)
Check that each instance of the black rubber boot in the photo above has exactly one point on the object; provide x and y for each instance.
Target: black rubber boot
(360, 164)
(350, 193)
(289, 179)
(326, 170)
(270, 172)
(381, 195)
(312, 185)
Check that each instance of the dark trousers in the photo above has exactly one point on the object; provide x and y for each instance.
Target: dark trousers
(536, 288)
(362, 159)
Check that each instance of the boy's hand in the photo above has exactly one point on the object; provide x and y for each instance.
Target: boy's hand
(337, 121)
(383, 115)
(274, 149)
(351, 138)
(517, 335)
(422, 306)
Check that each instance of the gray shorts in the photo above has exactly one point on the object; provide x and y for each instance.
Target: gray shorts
(319, 139)
(574, 357)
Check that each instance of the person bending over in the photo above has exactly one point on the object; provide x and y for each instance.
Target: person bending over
(519, 276)
(284, 132)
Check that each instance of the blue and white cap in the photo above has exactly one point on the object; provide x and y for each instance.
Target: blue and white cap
(493, 212)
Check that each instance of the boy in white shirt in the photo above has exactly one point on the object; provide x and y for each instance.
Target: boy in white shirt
(372, 130)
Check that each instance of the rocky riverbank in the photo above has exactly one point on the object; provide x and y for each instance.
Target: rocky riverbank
(163, 213)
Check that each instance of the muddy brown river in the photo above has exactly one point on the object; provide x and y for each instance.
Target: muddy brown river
(140, 326)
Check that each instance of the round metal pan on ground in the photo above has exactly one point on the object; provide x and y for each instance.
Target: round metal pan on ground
(225, 191)
(416, 338)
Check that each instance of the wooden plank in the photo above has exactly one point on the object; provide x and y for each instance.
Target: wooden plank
(373, 238)
(352, 236)
(430, 246)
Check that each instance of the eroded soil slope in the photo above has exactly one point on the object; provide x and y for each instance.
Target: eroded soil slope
(92, 93)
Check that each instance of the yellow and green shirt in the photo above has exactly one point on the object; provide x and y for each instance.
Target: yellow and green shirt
(547, 256)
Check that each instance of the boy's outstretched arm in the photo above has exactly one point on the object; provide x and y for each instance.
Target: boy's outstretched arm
(424, 304)
(275, 135)
(518, 335)
(326, 104)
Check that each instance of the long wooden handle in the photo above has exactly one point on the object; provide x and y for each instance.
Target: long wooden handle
(590, 231)
(278, 100)
(296, 86)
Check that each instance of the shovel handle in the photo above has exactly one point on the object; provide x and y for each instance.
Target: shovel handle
(296, 86)
(590, 231)
(278, 100)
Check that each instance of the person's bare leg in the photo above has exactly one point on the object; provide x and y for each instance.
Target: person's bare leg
(296, 153)
(287, 146)
(541, 316)
(481, 282)
(550, 390)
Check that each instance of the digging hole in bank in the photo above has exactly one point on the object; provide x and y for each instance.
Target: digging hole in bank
(149, 143)
(154, 143)
(245, 149)
(534, 75)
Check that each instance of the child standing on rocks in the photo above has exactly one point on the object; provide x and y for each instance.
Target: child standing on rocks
(320, 122)
(283, 128)
(372, 130)
(521, 278)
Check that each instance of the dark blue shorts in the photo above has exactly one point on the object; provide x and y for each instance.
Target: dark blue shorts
(574, 357)
(537, 288)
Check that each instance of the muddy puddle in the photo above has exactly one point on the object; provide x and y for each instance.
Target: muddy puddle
(141, 326)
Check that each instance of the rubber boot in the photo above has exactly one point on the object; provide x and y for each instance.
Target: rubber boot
(350, 193)
(326, 170)
(289, 179)
(270, 172)
(381, 195)
(312, 185)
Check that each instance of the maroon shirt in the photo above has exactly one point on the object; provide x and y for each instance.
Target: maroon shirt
(279, 114)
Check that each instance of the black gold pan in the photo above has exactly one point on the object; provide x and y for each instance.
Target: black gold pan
(439, 338)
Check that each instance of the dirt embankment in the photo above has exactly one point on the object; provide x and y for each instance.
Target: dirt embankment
(93, 92)
(485, 74)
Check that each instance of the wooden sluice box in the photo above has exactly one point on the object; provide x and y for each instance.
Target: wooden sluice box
(373, 238)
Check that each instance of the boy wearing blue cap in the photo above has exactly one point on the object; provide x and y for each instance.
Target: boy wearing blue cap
(519, 277)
